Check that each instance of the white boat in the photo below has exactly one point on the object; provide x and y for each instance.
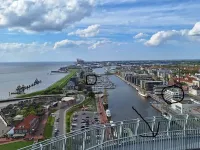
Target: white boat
(108, 114)
(144, 95)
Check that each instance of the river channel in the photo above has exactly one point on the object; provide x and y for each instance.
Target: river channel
(123, 97)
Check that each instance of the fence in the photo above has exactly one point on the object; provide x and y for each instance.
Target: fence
(174, 134)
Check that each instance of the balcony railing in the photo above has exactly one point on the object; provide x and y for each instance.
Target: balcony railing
(180, 132)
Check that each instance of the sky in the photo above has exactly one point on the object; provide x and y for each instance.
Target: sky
(49, 30)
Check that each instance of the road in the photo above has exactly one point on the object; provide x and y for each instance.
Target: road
(61, 113)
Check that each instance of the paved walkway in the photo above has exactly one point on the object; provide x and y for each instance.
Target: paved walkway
(101, 111)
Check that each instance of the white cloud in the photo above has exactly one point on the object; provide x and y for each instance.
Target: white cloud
(43, 15)
(163, 36)
(90, 31)
(99, 43)
(69, 43)
(23, 47)
(160, 37)
(141, 40)
(140, 35)
(195, 30)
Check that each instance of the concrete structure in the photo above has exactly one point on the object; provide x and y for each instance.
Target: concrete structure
(184, 106)
(173, 94)
(148, 85)
(68, 100)
(163, 73)
(194, 90)
(135, 78)
(70, 86)
(157, 89)
(196, 83)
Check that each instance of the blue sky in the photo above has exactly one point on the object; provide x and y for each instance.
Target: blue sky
(32, 30)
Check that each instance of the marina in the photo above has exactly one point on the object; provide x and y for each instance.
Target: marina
(120, 105)
(103, 82)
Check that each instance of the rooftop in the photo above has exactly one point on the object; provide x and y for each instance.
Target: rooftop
(68, 99)
(25, 124)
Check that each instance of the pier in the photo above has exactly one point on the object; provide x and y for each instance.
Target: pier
(21, 89)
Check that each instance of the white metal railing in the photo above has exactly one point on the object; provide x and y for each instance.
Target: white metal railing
(127, 135)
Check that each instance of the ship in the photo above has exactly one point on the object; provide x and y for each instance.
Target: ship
(61, 70)
(142, 94)
(108, 114)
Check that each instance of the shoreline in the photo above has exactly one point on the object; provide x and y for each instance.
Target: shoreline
(40, 93)
(134, 86)
(137, 88)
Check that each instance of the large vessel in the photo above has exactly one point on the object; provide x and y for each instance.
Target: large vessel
(142, 94)
(108, 114)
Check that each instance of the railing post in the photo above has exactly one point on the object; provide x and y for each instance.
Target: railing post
(137, 126)
(64, 144)
(120, 129)
(84, 138)
(41, 147)
(185, 122)
(102, 137)
(169, 123)
(153, 123)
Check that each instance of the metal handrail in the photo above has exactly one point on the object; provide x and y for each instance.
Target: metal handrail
(126, 124)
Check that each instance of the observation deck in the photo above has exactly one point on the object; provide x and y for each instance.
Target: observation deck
(180, 132)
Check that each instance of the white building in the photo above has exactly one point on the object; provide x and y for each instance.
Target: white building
(173, 94)
(163, 73)
(194, 90)
(157, 90)
(185, 106)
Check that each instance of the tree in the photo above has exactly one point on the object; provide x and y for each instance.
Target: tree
(32, 112)
(91, 94)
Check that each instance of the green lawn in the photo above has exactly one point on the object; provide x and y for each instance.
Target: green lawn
(48, 130)
(55, 88)
(15, 145)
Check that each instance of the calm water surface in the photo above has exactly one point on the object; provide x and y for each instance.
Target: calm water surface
(14, 74)
(121, 100)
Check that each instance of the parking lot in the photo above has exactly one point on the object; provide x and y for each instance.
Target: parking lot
(84, 119)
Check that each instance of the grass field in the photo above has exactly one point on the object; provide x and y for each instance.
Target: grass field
(15, 145)
(55, 88)
(48, 130)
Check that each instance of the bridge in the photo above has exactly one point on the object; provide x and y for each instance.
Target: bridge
(176, 133)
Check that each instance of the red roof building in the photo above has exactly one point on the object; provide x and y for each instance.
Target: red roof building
(187, 79)
(28, 125)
